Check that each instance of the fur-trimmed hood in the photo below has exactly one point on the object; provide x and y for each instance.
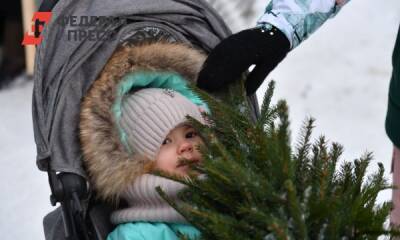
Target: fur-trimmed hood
(110, 168)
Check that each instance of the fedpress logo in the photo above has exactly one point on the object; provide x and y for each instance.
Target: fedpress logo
(90, 28)
(38, 21)
(76, 28)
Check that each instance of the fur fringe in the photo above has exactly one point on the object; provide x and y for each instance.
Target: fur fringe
(110, 168)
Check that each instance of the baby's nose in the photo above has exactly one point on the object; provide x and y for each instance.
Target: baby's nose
(185, 146)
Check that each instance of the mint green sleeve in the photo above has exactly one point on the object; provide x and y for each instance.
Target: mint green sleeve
(298, 19)
(150, 231)
(128, 231)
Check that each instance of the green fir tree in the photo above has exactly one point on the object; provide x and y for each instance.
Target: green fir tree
(255, 185)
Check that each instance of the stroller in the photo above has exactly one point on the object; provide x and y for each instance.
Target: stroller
(65, 68)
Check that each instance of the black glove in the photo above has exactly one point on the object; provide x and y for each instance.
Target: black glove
(234, 55)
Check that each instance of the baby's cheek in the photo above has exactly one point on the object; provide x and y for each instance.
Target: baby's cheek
(161, 165)
(165, 163)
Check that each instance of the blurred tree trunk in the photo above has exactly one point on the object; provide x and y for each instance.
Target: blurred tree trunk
(236, 13)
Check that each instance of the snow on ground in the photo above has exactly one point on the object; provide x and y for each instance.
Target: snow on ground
(24, 189)
(340, 76)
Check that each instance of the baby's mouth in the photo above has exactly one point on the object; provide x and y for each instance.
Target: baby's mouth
(187, 162)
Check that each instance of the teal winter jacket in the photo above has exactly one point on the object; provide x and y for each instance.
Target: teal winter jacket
(152, 231)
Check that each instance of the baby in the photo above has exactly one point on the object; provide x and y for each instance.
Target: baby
(151, 133)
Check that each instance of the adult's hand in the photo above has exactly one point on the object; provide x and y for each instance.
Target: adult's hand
(264, 46)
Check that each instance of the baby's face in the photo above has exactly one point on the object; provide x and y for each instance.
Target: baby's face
(180, 143)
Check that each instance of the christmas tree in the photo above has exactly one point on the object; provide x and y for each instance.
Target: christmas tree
(254, 185)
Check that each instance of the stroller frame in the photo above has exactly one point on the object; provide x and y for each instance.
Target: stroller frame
(79, 213)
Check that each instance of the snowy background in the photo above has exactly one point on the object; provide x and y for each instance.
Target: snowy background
(340, 76)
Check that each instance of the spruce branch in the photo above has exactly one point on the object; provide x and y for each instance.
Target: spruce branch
(256, 185)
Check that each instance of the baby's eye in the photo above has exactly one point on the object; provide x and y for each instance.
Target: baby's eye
(191, 134)
(166, 141)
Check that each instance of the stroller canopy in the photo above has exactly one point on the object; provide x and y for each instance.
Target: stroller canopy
(65, 67)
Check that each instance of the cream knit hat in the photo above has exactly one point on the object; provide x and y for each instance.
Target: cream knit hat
(148, 115)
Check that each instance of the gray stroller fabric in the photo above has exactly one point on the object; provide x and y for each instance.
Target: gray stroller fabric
(65, 68)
